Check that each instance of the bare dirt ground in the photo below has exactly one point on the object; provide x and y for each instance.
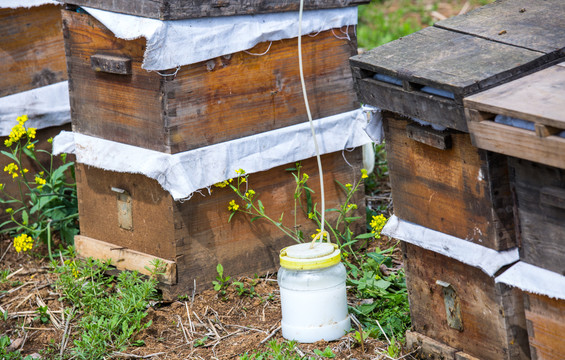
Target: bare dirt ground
(204, 326)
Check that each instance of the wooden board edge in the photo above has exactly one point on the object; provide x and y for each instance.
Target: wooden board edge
(124, 259)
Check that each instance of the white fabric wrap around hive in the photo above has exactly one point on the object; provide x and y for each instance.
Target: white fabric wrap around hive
(488, 260)
(534, 280)
(45, 106)
(174, 43)
(184, 173)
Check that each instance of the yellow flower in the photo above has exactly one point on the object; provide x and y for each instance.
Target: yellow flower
(9, 210)
(12, 169)
(249, 194)
(31, 133)
(310, 215)
(240, 172)
(222, 184)
(352, 206)
(23, 242)
(39, 181)
(8, 142)
(349, 186)
(377, 224)
(50, 140)
(364, 174)
(317, 232)
(2, 186)
(305, 177)
(22, 119)
(232, 206)
(25, 171)
(31, 146)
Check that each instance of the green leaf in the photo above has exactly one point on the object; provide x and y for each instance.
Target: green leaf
(10, 155)
(231, 215)
(261, 207)
(352, 218)
(25, 217)
(254, 218)
(365, 236)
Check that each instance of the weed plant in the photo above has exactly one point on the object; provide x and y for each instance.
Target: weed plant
(45, 202)
(109, 311)
(286, 350)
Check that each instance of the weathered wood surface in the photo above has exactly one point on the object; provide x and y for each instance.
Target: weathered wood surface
(186, 9)
(494, 325)
(125, 259)
(32, 52)
(539, 98)
(534, 25)
(196, 233)
(427, 135)
(545, 318)
(462, 191)
(541, 223)
(445, 60)
(205, 103)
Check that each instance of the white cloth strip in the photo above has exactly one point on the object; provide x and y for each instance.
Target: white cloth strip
(488, 260)
(534, 280)
(45, 106)
(174, 43)
(184, 173)
(14, 4)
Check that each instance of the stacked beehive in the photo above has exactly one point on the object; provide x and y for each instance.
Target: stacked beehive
(186, 119)
(525, 120)
(453, 201)
(33, 82)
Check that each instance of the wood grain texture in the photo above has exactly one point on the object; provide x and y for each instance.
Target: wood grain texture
(541, 225)
(227, 98)
(534, 25)
(462, 191)
(538, 97)
(494, 325)
(196, 233)
(428, 348)
(32, 52)
(123, 108)
(183, 9)
(125, 259)
(208, 102)
(546, 326)
(514, 141)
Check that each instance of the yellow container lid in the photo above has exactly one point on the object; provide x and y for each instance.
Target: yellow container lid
(310, 256)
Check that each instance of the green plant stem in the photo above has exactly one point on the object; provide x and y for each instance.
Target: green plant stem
(49, 240)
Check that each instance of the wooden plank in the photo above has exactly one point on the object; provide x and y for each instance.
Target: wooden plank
(534, 25)
(537, 97)
(183, 9)
(205, 103)
(517, 142)
(494, 325)
(32, 49)
(124, 259)
(426, 135)
(446, 60)
(111, 106)
(460, 355)
(205, 238)
(227, 98)
(546, 320)
(462, 191)
(152, 218)
(541, 225)
(428, 348)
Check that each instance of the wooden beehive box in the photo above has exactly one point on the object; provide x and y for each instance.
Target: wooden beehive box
(486, 319)
(33, 50)
(546, 324)
(441, 181)
(205, 103)
(193, 236)
(182, 9)
(426, 74)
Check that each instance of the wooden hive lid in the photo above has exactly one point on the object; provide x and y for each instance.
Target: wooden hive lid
(533, 25)
(536, 98)
(447, 60)
(189, 9)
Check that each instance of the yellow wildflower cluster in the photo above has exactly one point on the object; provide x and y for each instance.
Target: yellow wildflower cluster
(40, 182)
(364, 174)
(240, 172)
(223, 184)
(318, 231)
(232, 206)
(18, 132)
(249, 194)
(23, 242)
(377, 224)
(73, 266)
(12, 169)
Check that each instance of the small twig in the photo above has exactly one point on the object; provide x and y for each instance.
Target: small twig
(247, 328)
(183, 330)
(14, 273)
(193, 293)
(189, 319)
(5, 252)
(66, 333)
(15, 289)
(386, 337)
(124, 355)
(465, 8)
(214, 329)
(270, 335)
(52, 317)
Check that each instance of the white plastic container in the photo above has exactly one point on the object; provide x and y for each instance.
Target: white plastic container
(313, 294)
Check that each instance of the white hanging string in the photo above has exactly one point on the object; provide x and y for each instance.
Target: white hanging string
(323, 209)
